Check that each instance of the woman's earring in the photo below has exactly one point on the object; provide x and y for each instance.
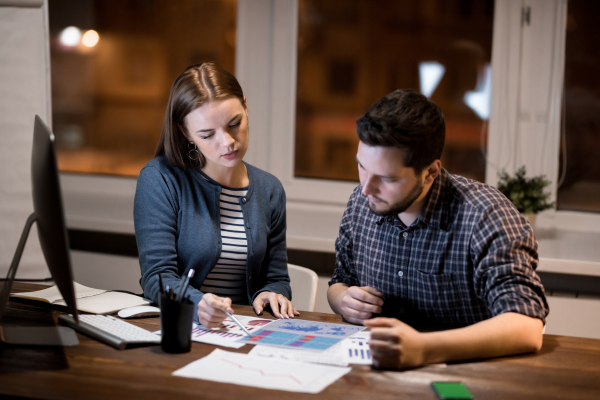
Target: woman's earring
(193, 152)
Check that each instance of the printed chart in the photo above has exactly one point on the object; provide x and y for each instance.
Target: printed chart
(244, 369)
(356, 349)
(300, 334)
(228, 333)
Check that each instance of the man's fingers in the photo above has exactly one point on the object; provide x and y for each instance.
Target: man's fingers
(373, 291)
(356, 321)
(358, 305)
(385, 354)
(352, 313)
(382, 323)
(364, 296)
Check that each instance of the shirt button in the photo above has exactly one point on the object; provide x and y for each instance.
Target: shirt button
(251, 254)
(243, 199)
(400, 273)
(405, 234)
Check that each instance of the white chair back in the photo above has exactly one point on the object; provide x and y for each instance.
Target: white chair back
(304, 283)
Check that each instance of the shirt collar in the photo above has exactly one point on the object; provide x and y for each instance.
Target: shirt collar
(437, 209)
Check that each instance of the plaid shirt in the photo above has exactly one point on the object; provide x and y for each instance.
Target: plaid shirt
(468, 257)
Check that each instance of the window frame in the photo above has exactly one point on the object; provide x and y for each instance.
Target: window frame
(266, 66)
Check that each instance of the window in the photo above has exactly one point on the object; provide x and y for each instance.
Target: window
(580, 170)
(113, 63)
(350, 53)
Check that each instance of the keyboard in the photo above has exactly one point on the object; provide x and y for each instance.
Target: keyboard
(110, 330)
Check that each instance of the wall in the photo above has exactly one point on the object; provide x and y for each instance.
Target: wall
(24, 92)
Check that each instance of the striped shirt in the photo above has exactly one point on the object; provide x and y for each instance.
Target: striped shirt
(228, 277)
(468, 257)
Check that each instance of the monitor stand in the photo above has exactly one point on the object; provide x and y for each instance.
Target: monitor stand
(41, 336)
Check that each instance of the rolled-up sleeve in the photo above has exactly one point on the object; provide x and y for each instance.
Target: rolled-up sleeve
(504, 253)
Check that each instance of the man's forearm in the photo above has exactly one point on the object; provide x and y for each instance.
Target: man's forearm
(335, 293)
(504, 334)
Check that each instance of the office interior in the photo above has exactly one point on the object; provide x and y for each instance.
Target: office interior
(517, 81)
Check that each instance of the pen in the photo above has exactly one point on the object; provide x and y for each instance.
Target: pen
(185, 282)
(238, 323)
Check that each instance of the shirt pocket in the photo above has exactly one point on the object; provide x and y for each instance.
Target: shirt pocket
(436, 297)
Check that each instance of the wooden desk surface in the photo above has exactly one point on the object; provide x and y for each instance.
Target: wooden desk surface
(565, 368)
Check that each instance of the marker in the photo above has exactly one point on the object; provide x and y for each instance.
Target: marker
(238, 323)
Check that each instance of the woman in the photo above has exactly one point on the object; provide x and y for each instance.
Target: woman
(199, 206)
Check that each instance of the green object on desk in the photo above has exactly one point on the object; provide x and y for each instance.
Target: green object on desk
(451, 390)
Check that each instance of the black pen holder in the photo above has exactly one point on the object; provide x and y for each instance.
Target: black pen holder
(176, 319)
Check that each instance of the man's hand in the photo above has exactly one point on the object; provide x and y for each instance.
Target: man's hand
(212, 310)
(277, 302)
(354, 303)
(395, 345)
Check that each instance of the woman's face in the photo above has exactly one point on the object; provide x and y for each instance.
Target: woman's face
(220, 130)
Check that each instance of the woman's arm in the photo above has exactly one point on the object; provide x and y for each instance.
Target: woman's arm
(155, 217)
(274, 282)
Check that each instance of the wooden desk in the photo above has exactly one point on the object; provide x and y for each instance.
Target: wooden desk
(565, 368)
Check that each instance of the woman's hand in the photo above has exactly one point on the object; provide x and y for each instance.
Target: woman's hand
(212, 310)
(275, 301)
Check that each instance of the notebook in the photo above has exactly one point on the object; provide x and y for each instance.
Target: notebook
(95, 301)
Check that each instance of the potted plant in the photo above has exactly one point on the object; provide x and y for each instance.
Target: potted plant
(527, 194)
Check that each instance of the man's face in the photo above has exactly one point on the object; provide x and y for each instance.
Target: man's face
(390, 187)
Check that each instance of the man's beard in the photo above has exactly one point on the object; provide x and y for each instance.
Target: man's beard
(402, 205)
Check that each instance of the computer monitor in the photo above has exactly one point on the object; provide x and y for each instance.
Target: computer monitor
(49, 215)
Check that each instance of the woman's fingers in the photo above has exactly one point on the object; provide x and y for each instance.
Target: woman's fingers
(219, 303)
(212, 310)
(280, 305)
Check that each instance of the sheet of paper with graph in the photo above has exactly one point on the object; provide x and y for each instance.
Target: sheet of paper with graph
(228, 333)
(301, 334)
(266, 373)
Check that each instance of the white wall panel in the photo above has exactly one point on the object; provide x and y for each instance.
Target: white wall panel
(24, 92)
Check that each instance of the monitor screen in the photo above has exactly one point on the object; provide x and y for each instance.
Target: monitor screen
(49, 215)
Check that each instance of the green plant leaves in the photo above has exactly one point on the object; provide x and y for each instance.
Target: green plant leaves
(527, 194)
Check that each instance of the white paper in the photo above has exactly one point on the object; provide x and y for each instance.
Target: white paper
(348, 351)
(229, 333)
(247, 370)
(331, 356)
(107, 302)
(356, 349)
(302, 334)
(52, 294)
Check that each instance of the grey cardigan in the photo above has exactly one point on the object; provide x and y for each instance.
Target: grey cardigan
(177, 227)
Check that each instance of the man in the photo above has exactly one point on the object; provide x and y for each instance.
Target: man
(447, 255)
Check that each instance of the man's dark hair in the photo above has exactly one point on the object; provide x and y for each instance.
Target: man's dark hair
(408, 120)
